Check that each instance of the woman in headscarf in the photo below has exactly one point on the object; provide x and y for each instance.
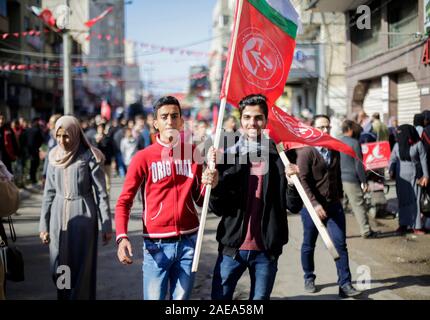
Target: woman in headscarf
(408, 164)
(74, 201)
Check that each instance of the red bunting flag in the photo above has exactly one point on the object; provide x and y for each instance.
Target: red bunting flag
(93, 21)
(47, 17)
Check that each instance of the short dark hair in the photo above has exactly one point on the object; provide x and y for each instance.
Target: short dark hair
(419, 119)
(376, 116)
(347, 125)
(316, 117)
(254, 100)
(426, 115)
(163, 101)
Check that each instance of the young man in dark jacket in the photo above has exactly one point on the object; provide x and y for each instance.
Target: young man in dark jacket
(252, 198)
(320, 176)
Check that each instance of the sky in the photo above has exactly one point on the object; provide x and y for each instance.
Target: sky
(169, 23)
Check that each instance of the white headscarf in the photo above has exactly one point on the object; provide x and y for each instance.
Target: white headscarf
(58, 157)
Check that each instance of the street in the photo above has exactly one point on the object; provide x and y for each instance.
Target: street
(399, 265)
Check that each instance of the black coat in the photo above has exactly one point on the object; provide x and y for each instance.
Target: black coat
(229, 199)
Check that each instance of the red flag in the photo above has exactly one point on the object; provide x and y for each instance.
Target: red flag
(264, 50)
(286, 128)
(106, 110)
(93, 21)
(46, 16)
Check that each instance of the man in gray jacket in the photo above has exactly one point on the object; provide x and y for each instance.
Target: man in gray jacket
(354, 180)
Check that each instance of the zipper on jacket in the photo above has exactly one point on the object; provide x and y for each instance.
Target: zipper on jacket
(175, 194)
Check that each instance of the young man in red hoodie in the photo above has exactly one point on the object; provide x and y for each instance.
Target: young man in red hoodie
(171, 182)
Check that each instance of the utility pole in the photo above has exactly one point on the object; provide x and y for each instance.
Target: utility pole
(67, 69)
(67, 75)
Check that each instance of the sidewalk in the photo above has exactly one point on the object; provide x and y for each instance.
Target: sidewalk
(399, 265)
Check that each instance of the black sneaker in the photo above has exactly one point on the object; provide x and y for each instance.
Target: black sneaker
(347, 291)
(310, 286)
(371, 235)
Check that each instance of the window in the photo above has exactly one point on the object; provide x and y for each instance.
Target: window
(26, 23)
(3, 8)
(402, 21)
(224, 20)
(366, 41)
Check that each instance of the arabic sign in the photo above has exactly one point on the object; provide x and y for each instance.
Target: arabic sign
(376, 155)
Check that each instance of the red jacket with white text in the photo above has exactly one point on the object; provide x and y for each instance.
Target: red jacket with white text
(171, 184)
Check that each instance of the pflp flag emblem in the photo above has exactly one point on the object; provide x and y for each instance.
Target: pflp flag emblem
(296, 128)
(264, 50)
(259, 59)
(295, 134)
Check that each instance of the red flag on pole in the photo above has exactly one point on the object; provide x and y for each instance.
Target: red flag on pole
(93, 21)
(264, 50)
(106, 110)
(295, 134)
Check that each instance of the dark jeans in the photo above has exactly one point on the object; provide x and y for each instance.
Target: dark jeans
(34, 165)
(335, 224)
(228, 271)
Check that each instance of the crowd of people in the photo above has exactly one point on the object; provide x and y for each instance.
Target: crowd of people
(79, 157)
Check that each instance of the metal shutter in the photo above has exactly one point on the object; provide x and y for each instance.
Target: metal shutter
(409, 101)
(373, 101)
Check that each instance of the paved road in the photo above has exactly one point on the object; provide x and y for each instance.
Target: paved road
(125, 282)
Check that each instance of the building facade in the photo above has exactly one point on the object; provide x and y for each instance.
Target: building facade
(317, 77)
(30, 56)
(222, 25)
(131, 73)
(106, 45)
(384, 71)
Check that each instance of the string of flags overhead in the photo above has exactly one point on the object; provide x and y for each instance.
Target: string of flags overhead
(28, 33)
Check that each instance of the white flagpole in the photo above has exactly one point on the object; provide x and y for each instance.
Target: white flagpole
(216, 142)
(315, 218)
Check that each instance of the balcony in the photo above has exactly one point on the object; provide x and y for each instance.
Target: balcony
(335, 5)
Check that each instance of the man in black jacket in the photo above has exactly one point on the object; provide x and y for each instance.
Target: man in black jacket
(252, 198)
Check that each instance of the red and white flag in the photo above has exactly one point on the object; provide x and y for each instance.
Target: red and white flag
(295, 134)
(264, 50)
(93, 21)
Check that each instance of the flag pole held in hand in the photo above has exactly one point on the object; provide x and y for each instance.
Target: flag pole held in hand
(216, 141)
(315, 218)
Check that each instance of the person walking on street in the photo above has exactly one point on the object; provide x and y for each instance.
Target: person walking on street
(128, 147)
(251, 198)
(4, 175)
(354, 180)
(105, 144)
(171, 182)
(320, 175)
(71, 210)
(408, 165)
(8, 144)
(379, 128)
(35, 140)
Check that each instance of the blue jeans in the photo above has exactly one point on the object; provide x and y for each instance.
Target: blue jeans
(228, 271)
(336, 226)
(120, 166)
(168, 262)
